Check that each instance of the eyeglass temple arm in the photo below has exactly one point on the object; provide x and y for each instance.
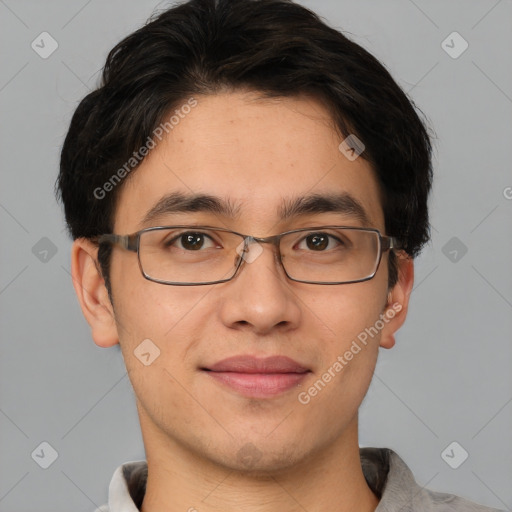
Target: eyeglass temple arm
(390, 242)
(128, 242)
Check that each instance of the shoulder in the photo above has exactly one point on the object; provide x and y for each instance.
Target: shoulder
(392, 480)
(127, 488)
(443, 502)
(428, 500)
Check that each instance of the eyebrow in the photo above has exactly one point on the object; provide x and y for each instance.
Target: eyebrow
(343, 203)
(178, 202)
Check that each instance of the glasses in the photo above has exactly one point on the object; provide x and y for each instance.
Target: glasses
(200, 255)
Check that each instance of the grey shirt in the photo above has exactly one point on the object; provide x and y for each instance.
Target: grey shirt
(386, 473)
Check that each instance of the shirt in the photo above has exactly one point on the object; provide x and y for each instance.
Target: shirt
(386, 473)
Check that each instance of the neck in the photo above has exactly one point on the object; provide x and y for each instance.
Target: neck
(179, 479)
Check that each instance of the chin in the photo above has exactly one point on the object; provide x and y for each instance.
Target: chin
(263, 458)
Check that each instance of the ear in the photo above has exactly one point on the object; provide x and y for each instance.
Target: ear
(397, 304)
(92, 293)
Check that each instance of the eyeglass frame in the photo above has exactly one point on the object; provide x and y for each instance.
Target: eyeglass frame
(131, 242)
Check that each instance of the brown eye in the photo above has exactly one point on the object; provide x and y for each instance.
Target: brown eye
(317, 242)
(192, 241)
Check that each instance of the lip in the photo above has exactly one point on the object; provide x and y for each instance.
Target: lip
(258, 377)
(251, 364)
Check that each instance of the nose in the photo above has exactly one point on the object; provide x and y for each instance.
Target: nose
(259, 298)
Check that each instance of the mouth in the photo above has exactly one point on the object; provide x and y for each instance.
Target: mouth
(256, 377)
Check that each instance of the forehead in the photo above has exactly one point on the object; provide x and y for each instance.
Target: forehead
(259, 155)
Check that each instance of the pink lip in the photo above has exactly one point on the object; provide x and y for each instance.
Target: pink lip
(257, 377)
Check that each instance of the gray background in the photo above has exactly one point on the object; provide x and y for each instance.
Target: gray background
(448, 378)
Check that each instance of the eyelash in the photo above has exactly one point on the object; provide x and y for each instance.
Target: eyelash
(179, 237)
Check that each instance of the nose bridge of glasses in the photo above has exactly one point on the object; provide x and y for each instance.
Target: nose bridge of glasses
(272, 240)
(251, 248)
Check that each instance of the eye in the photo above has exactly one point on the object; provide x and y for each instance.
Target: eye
(319, 242)
(191, 241)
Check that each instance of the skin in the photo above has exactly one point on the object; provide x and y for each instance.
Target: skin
(254, 152)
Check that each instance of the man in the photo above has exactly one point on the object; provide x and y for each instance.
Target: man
(246, 191)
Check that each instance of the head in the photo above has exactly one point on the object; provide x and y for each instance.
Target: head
(246, 102)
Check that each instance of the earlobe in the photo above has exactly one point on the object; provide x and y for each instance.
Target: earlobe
(398, 301)
(92, 293)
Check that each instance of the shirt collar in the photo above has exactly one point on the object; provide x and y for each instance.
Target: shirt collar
(386, 473)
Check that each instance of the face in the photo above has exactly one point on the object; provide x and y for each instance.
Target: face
(255, 154)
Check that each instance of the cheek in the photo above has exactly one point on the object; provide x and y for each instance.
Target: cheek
(347, 340)
(147, 309)
(345, 311)
(157, 331)
(348, 350)
(158, 320)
